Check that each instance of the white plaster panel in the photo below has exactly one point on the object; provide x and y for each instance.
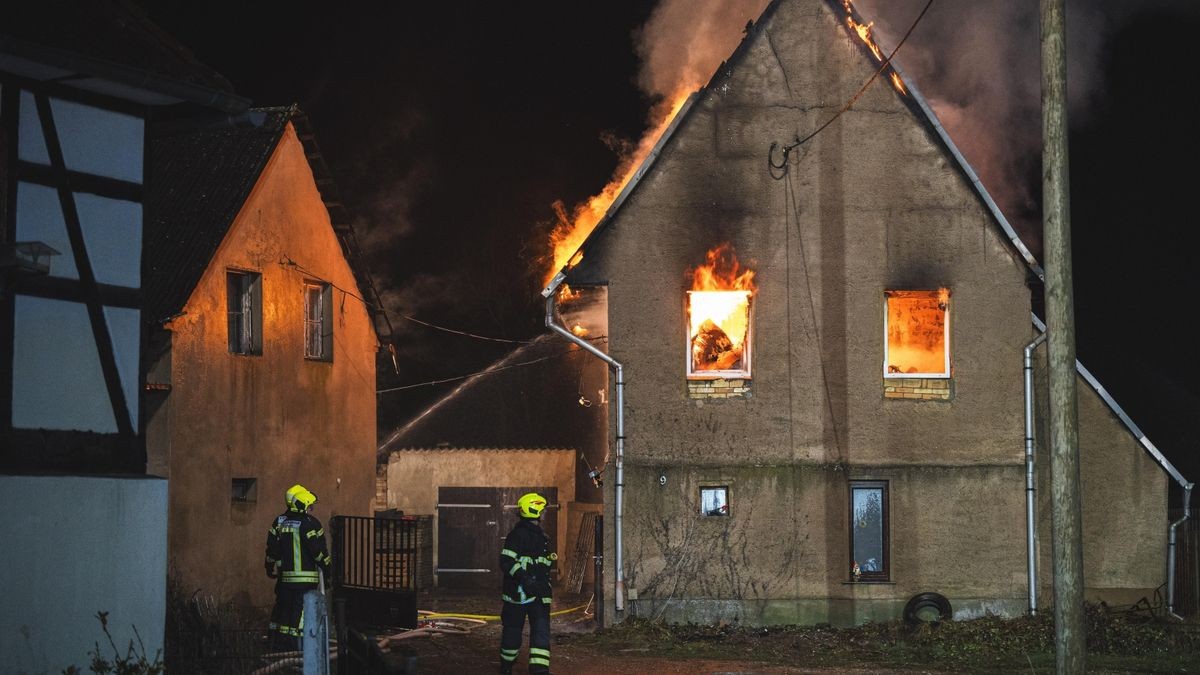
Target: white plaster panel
(40, 218)
(57, 381)
(112, 231)
(124, 329)
(64, 563)
(100, 142)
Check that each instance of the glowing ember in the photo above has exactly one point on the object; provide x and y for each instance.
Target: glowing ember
(719, 316)
(574, 228)
(916, 333)
(579, 330)
(864, 34)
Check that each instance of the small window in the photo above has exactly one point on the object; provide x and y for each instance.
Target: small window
(318, 321)
(245, 489)
(244, 304)
(916, 334)
(714, 501)
(869, 531)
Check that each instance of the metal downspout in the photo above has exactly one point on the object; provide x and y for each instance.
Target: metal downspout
(1187, 501)
(549, 294)
(1030, 477)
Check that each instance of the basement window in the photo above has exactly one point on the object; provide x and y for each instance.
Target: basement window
(718, 335)
(244, 304)
(916, 334)
(245, 489)
(714, 501)
(318, 321)
(869, 530)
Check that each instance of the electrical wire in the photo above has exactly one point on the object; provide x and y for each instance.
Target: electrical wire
(460, 332)
(482, 372)
(787, 149)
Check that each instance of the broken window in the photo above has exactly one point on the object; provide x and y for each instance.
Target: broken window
(869, 530)
(714, 501)
(718, 334)
(318, 321)
(916, 333)
(244, 305)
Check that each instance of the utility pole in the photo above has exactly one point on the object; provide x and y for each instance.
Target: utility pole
(1070, 641)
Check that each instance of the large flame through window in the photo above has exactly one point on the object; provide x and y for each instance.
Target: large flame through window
(718, 307)
(917, 333)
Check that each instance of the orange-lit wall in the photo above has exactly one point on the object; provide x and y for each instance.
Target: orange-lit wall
(276, 417)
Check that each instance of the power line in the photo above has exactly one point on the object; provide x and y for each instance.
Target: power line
(460, 332)
(482, 372)
(787, 149)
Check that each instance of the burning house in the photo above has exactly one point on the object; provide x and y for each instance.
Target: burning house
(817, 319)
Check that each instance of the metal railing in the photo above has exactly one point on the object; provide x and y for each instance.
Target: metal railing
(382, 553)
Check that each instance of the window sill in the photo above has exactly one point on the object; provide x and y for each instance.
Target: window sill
(869, 582)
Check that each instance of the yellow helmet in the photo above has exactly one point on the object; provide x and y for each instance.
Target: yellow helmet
(299, 498)
(531, 505)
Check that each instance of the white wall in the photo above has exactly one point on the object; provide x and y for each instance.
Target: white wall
(75, 546)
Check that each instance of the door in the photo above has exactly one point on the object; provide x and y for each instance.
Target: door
(472, 525)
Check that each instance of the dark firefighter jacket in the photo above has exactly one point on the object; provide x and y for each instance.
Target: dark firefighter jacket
(525, 561)
(297, 543)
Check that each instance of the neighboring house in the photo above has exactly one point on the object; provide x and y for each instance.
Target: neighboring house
(85, 529)
(846, 430)
(261, 366)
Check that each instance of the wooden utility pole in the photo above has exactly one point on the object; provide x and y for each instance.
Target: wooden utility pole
(1070, 640)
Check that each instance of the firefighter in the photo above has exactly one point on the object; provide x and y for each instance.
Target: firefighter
(526, 561)
(296, 554)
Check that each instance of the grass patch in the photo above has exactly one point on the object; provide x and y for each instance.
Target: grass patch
(1116, 643)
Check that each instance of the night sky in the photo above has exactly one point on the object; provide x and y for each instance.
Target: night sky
(452, 128)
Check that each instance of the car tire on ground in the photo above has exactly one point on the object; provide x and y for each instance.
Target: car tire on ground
(927, 608)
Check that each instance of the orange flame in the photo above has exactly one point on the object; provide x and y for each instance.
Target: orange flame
(864, 34)
(916, 332)
(571, 231)
(722, 272)
(579, 330)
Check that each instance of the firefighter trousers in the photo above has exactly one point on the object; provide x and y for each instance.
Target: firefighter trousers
(512, 618)
(287, 617)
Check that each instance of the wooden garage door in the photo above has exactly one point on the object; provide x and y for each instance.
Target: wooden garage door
(472, 525)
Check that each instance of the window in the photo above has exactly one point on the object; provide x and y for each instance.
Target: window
(714, 501)
(244, 303)
(916, 334)
(869, 531)
(318, 321)
(245, 489)
(718, 335)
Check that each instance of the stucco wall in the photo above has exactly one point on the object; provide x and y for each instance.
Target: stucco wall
(276, 417)
(414, 477)
(85, 545)
(872, 203)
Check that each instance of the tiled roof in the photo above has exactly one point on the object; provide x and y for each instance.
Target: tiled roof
(197, 182)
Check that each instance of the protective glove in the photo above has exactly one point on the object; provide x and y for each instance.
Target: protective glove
(536, 584)
(271, 570)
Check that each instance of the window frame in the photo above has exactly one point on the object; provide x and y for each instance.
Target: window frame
(728, 510)
(323, 324)
(248, 285)
(885, 543)
(947, 373)
(745, 373)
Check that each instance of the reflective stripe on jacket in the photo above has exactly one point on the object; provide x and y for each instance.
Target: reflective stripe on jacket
(296, 542)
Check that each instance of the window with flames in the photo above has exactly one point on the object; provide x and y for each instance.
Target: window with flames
(917, 334)
(718, 318)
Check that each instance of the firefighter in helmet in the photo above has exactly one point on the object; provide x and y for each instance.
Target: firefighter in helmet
(526, 561)
(296, 555)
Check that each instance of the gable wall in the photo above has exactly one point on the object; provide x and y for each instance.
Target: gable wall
(870, 204)
(276, 416)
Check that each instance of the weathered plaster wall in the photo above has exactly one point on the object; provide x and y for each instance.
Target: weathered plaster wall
(870, 204)
(277, 417)
(414, 476)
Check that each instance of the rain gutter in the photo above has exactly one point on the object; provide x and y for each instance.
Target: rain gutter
(1158, 457)
(1030, 477)
(550, 294)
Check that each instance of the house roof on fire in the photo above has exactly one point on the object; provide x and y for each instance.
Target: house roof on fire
(585, 272)
(202, 176)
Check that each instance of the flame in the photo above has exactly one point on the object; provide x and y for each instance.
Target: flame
(719, 312)
(916, 332)
(864, 34)
(579, 330)
(573, 229)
